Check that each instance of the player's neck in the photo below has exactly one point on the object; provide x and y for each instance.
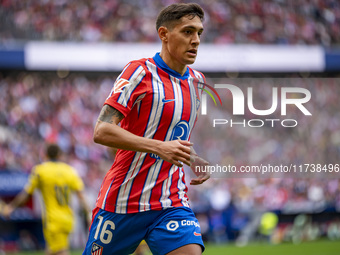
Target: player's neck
(172, 63)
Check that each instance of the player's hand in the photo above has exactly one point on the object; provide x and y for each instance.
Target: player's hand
(176, 152)
(7, 211)
(198, 166)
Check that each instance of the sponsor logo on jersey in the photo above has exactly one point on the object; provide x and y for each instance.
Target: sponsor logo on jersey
(96, 249)
(180, 131)
(155, 156)
(190, 223)
(120, 85)
(172, 225)
(167, 100)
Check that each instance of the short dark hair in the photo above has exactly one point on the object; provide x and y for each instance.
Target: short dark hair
(175, 12)
(53, 151)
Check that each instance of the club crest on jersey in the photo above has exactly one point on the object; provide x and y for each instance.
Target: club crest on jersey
(96, 249)
(120, 85)
(180, 131)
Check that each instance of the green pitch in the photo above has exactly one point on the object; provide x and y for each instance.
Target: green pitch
(309, 248)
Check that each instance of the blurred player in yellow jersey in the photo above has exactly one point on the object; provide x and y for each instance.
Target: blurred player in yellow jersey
(56, 182)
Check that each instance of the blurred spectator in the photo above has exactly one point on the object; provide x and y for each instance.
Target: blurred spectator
(234, 21)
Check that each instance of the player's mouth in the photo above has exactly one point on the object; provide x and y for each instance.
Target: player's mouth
(192, 52)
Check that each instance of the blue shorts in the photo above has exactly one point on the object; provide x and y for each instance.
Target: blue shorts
(163, 231)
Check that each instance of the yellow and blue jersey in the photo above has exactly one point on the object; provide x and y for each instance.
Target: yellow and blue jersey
(56, 182)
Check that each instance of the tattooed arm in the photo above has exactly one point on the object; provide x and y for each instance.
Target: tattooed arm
(108, 133)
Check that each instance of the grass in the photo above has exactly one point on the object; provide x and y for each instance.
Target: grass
(322, 247)
(308, 248)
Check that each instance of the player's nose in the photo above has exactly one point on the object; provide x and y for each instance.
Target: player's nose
(196, 39)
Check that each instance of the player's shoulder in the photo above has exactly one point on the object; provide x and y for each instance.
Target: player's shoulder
(41, 167)
(138, 63)
(197, 74)
(134, 71)
(52, 165)
(67, 168)
(71, 171)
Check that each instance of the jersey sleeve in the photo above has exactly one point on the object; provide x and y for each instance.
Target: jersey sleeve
(33, 181)
(129, 88)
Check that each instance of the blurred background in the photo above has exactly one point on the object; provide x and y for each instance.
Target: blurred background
(59, 60)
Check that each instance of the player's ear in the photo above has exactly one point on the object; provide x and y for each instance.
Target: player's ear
(163, 33)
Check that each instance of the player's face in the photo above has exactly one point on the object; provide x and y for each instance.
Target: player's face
(183, 40)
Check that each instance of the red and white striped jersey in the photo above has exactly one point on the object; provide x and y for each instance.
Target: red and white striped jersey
(158, 103)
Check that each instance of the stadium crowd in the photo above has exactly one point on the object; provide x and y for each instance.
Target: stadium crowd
(40, 107)
(307, 22)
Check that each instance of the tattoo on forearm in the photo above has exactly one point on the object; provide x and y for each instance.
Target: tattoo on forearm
(108, 113)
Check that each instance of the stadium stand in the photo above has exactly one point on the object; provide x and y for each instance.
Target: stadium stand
(262, 22)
